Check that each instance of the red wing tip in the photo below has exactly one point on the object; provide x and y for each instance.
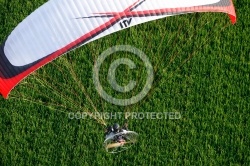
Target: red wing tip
(4, 94)
(233, 18)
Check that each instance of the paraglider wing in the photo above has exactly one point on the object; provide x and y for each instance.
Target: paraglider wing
(59, 26)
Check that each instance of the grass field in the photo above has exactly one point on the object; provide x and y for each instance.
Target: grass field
(201, 70)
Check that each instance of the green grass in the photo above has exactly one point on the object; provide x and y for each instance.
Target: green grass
(202, 69)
